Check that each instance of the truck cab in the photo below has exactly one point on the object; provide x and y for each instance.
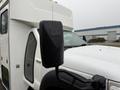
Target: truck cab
(28, 42)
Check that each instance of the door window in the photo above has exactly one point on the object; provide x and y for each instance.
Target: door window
(29, 58)
(5, 76)
(4, 22)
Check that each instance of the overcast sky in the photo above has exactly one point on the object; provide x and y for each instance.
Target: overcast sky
(93, 13)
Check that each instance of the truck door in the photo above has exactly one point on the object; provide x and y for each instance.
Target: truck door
(30, 58)
(4, 45)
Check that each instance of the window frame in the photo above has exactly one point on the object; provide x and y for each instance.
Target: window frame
(33, 58)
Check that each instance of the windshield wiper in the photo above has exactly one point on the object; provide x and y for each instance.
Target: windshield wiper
(66, 47)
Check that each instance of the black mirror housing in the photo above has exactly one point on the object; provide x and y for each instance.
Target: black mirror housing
(51, 43)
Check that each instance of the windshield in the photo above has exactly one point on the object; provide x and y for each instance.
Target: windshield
(71, 39)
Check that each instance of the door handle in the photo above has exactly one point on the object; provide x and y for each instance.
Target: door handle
(38, 61)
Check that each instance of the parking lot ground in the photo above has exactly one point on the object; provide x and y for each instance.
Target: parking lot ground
(1, 86)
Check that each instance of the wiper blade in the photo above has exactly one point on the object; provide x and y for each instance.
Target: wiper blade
(67, 47)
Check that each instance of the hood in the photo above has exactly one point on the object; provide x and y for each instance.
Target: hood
(95, 59)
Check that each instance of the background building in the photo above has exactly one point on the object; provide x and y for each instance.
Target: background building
(110, 33)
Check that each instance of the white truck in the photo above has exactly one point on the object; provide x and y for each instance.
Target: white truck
(32, 40)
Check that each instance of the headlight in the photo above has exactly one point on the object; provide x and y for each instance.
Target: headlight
(113, 85)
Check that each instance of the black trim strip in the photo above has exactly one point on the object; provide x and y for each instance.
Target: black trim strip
(4, 5)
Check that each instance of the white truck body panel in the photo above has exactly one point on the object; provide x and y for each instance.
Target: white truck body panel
(34, 11)
(95, 59)
(23, 17)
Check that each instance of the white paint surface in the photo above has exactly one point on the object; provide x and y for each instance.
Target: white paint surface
(95, 59)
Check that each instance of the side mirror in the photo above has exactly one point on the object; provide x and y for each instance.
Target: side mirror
(51, 41)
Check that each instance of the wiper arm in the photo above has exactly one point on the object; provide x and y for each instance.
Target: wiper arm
(66, 47)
